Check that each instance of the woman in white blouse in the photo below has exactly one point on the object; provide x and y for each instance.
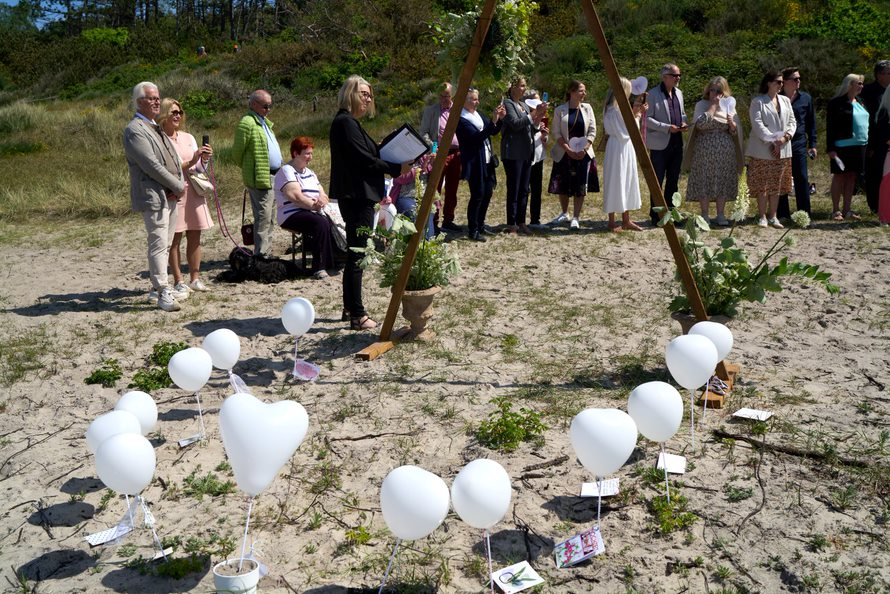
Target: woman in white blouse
(769, 150)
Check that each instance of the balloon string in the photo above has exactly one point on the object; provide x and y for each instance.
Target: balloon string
(490, 570)
(244, 542)
(296, 343)
(389, 565)
(692, 416)
(704, 405)
(200, 413)
(129, 510)
(599, 500)
(664, 463)
(154, 532)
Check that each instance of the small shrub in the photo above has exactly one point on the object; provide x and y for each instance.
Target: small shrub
(107, 374)
(163, 351)
(151, 379)
(735, 494)
(209, 484)
(671, 516)
(507, 429)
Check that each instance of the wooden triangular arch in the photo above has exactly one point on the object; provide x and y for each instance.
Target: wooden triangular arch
(466, 77)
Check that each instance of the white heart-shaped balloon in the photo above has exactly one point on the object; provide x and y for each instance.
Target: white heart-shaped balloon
(481, 493)
(224, 348)
(190, 369)
(414, 502)
(260, 438)
(111, 424)
(603, 438)
(142, 406)
(691, 359)
(657, 410)
(126, 463)
(719, 334)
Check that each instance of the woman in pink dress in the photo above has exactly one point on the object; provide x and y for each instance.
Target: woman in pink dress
(193, 215)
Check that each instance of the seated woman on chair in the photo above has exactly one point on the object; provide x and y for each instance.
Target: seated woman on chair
(300, 199)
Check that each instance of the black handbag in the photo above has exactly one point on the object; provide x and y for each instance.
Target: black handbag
(246, 229)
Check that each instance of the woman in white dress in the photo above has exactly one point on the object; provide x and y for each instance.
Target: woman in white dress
(621, 186)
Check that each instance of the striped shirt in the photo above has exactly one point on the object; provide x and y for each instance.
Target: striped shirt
(309, 184)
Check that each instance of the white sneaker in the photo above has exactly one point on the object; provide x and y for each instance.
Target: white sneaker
(152, 295)
(562, 218)
(775, 224)
(320, 274)
(198, 285)
(575, 224)
(167, 302)
(762, 222)
(181, 291)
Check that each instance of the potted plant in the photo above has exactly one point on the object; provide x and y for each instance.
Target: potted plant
(724, 274)
(433, 267)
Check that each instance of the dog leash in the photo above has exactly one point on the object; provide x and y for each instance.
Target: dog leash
(219, 214)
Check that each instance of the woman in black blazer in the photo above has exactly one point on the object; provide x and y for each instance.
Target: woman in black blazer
(846, 136)
(474, 132)
(357, 184)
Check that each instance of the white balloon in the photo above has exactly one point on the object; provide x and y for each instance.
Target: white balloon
(126, 463)
(414, 502)
(142, 406)
(719, 334)
(691, 359)
(110, 424)
(481, 493)
(297, 315)
(190, 369)
(224, 348)
(603, 438)
(260, 438)
(657, 410)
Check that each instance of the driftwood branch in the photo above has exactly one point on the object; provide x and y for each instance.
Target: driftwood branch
(790, 450)
(373, 436)
(31, 445)
(555, 462)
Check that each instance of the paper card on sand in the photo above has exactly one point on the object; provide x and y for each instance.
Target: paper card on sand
(190, 440)
(516, 578)
(610, 488)
(106, 536)
(753, 414)
(675, 464)
(578, 548)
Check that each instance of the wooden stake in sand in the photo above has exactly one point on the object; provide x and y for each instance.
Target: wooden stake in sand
(655, 192)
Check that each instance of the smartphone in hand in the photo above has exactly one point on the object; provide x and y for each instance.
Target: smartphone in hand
(205, 139)
(545, 97)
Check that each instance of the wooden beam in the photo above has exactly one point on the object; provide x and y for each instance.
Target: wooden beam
(374, 350)
(466, 77)
(655, 192)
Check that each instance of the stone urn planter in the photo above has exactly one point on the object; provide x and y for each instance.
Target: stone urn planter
(228, 580)
(688, 320)
(417, 308)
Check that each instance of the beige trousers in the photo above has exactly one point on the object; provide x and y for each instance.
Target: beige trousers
(160, 226)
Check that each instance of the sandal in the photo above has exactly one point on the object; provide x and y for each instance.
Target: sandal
(362, 323)
(837, 216)
(852, 216)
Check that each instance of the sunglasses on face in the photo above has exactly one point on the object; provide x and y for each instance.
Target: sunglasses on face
(176, 112)
(367, 95)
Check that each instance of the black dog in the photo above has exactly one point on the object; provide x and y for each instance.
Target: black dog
(245, 266)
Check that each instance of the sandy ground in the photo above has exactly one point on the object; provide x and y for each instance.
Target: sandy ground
(557, 322)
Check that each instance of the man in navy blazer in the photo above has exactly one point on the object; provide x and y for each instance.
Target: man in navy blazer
(665, 123)
(156, 183)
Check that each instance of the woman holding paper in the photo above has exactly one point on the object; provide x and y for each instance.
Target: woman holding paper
(357, 184)
(769, 148)
(574, 130)
(714, 156)
(846, 136)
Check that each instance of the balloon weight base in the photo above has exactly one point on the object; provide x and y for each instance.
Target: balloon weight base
(227, 579)
(185, 442)
(708, 398)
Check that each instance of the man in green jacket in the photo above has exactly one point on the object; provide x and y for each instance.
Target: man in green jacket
(257, 152)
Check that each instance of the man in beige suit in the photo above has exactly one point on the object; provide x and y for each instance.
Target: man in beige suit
(156, 184)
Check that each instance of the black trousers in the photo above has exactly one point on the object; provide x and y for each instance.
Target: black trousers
(481, 183)
(666, 163)
(357, 212)
(800, 175)
(535, 181)
(517, 173)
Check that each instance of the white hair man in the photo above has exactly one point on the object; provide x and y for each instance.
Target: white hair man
(156, 185)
